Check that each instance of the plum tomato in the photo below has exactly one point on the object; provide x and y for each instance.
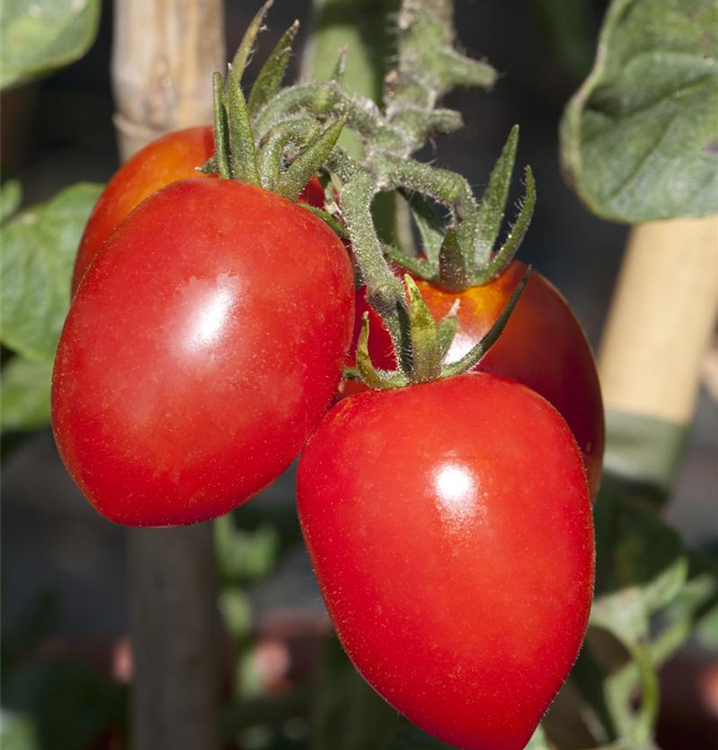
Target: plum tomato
(172, 157)
(450, 529)
(203, 346)
(175, 156)
(543, 346)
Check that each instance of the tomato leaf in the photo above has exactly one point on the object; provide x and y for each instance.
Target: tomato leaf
(639, 140)
(37, 36)
(39, 246)
(25, 394)
(642, 568)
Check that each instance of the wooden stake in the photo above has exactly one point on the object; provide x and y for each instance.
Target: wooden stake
(653, 351)
(164, 54)
(661, 319)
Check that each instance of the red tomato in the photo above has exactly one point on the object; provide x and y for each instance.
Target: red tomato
(172, 157)
(450, 528)
(543, 346)
(203, 346)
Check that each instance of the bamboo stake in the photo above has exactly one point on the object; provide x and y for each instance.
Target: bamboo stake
(655, 340)
(164, 53)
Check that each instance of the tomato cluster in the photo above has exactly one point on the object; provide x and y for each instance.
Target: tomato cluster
(210, 324)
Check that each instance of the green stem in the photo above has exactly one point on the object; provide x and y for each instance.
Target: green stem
(385, 292)
(445, 187)
(297, 132)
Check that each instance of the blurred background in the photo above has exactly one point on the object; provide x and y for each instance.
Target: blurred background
(63, 567)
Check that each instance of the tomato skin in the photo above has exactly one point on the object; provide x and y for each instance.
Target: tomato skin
(172, 157)
(450, 529)
(543, 346)
(202, 347)
(175, 156)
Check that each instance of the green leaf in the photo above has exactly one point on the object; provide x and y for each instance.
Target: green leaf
(37, 36)
(25, 394)
(39, 247)
(18, 731)
(10, 199)
(641, 568)
(639, 140)
(694, 609)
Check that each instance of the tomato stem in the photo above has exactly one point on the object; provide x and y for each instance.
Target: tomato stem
(298, 174)
(297, 133)
(279, 138)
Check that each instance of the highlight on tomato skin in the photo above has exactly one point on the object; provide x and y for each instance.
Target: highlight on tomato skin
(172, 157)
(450, 529)
(543, 346)
(204, 344)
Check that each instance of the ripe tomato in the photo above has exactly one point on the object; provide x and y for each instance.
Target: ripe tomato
(172, 157)
(543, 346)
(204, 344)
(450, 528)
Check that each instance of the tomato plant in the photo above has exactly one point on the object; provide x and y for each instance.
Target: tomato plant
(203, 345)
(175, 156)
(543, 347)
(451, 532)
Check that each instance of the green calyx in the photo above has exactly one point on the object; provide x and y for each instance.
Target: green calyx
(430, 343)
(287, 154)
(462, 255)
